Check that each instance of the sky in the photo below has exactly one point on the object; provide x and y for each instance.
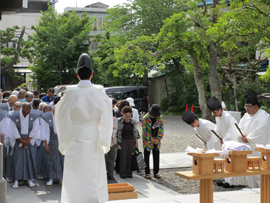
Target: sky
(62, 4)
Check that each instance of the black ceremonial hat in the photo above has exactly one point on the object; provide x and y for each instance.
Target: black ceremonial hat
(84, 61)
(189, 117)
(213, 103)
(251, 97)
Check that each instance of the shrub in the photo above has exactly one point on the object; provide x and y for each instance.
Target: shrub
(173, 109)
(165, 103)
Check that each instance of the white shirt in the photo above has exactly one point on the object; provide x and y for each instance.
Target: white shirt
(13, 132)
(204, 130)
(135, 114)
(226, 128)
(45, 130)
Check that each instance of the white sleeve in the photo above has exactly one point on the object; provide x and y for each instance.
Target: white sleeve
(34, 132)
(11, 131)
(44, 131)
(105, 132)
(136, 116)
(63, 123)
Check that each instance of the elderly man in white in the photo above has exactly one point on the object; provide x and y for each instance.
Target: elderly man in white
(84, 124)
(255, 125)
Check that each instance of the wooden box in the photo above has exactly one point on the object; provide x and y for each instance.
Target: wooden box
(237, 161)
(254, 163)
(265, 154)
(203, 164)
(121, 191)
(219, 165)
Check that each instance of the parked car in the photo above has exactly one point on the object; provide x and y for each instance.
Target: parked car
(138, 93)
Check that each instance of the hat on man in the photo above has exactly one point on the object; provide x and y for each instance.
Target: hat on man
(251, 98)
(213, 103)
(84, 61)
(189, 117)
(155, 110)
(130, 101)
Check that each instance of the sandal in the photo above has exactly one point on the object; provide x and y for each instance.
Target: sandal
(157, 176)
(148, 176)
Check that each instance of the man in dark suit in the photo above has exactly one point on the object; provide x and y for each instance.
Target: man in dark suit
(11, 101)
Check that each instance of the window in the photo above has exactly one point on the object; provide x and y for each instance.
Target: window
(132, 93)
(142, 93)
(95, 25)
(115, 93)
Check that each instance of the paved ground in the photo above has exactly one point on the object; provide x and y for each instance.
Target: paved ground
(178, 136)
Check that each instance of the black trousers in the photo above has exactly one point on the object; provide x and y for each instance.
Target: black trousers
(125, 158)
(155, 152)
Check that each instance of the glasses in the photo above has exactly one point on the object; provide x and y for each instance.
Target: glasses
(248, 107)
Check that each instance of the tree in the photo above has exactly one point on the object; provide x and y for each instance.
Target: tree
(10, 54)
(56, 46)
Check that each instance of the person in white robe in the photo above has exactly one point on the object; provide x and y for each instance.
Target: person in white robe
(84, 127)
(255, 126)
(227, 131)
(22, 128)
(203, 129)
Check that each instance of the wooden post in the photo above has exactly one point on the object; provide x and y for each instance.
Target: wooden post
(3, 183)
(206, 190)
(265, 185)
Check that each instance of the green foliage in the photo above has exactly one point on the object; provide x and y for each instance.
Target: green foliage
(173, 109)
(165, 104)
(57, 43)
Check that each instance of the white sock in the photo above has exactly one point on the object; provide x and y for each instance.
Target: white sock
(30, 183)
(50, 182)
(16, 184)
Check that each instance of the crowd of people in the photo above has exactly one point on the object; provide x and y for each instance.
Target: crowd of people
(28, 133)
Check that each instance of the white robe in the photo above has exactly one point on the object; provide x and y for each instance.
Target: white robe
(12, 131)
(257, 129)
(227, 130)
(83, 142)
(45, 130)
(204, 131)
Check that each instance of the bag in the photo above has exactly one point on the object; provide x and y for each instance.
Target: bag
(138, 163)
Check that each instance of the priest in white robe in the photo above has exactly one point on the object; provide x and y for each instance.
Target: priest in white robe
(203, 129)
(4, 139)
(227, 131)
(84, 124)
(255, 126)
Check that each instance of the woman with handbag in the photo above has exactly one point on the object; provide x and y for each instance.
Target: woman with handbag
(152, 133)
(127, 138)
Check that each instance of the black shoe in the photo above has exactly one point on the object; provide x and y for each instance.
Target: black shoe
(111, 178)
(219, 183)
(123, 177)
(130, 176)
(227, 185)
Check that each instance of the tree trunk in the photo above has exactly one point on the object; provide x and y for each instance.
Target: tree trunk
(200, 88)
(215, 83)
(145, 78)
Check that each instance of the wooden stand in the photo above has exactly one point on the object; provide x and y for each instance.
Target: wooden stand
(254, 163)
(203, 164)
(219, 165)
(237, 158)
(265, 154)
(121, 191)
(237, 161)
(265, 179)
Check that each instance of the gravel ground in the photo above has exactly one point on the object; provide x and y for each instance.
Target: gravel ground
(184, 186)
(177, 135)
